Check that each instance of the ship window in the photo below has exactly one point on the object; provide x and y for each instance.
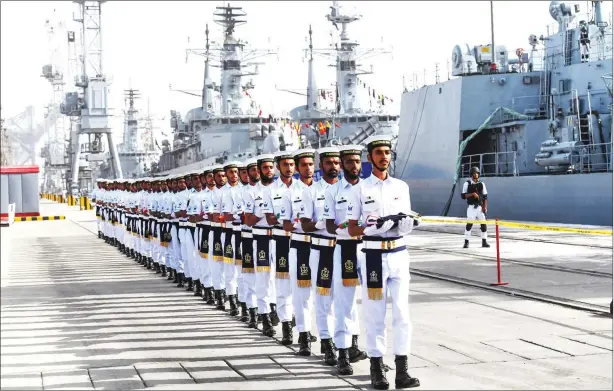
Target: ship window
(232, 64)
(234, 121)
(244, 120)
(347, 65)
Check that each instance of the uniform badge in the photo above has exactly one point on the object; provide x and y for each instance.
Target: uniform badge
(325, 274)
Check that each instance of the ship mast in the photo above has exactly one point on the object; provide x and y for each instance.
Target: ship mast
(207, 98)
(312, 89)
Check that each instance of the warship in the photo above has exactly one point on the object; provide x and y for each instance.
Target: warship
(537, 123)
(137, 153)
(229, 123)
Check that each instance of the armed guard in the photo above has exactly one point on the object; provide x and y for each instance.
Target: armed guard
(474, 191)
(386, 261)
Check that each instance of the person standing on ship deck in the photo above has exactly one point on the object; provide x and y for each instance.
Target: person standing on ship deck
(386, 262)
(474, 191)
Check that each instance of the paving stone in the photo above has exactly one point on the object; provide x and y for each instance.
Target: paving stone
(115, 378)
(67, 380)
(216, 371)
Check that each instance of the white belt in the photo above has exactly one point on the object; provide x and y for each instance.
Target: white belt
(383, 245)
(323, 242)
(206, 222)
(281, 232)
(183, 224)
(301, 237)
(188, 224)
(236, 228)
(214, 224)
(246, 235)
(228, 224)
(261, 231)
(346, 238)
(162, 220)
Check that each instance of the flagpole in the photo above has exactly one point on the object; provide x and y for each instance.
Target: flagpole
(492, 33)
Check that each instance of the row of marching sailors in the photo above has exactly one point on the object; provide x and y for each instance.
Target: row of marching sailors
(272, 248)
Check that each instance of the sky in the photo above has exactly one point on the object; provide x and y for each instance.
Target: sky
(144, 45)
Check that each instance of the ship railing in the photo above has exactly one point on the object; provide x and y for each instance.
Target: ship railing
(593, 158)
(490, 164)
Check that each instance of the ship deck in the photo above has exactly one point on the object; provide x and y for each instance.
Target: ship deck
(77, 314)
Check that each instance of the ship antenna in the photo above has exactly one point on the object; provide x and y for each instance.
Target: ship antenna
(492, 33)
(310, 44)
(207, 39)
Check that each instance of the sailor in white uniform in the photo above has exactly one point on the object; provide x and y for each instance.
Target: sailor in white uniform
(231, 195)
(474, 192)
(216, 237)
(322, 248)
(237, 211)
(280, 245)
(386, 264)
(180, 206)
(194, 209)
(346, 282)
(248, 267)
(255, 209)
(300, 271)
(205, 237)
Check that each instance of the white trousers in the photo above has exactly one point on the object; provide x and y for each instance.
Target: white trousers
(301, 297)
(241, 284)
(175, 250)
(249, 284)
(195, 261)
(344, 303)
(283, 290)
(474, 213)
(231, 274)
(395, 278)
(265, 283)
(323, 304)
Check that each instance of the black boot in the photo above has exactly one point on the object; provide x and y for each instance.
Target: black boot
(286, 330)
(402, 379)
(244, 313)
(466, 245)
(485, 244)
(304, 341)
(378, 376)
(234, 309)
(157, 268)
(209, 296)
(253, 323)
(355, 353)
(221, 304)
(175, 280)
(273, 314)
(128, 253)
(163, 268)
(190, 284)
(150, 264)
(326, 348)
(99, 235)
(267, 326)
(259, 317)
(344, 368)
(197, 290)
(181, 279)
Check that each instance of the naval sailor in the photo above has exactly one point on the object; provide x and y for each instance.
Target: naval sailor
(96, 197)
(155, 224)
(194, 216)
(248, 267)
(280, 244)
(231, 195)
(300, 272)
(216, 237)
(322, 248)
(237, 210)
(474, 191)
(255, 209)
(205, 237)
(346, 281)
(386, 262)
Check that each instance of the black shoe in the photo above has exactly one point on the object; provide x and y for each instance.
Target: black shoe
(259, 318)
(253, 322)
(286, 330)
(176, 277)
(197, 289)
(402, 379)
(344, 368)
(190, 285)
(485, 244)
(355, 354)
(304, 341)
(378, 376)
(466, 245)
(180, 280)
(234, 308)
(267, 326)
(163, 268)
(220, 302)
(244, 312)
(150, 265)
(210, 293)
(312, 338)
(326, 348)
(273, 315)
(157, 268)
(293, 323)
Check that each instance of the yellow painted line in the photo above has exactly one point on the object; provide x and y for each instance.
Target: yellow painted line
(40, 218)
(535, 227)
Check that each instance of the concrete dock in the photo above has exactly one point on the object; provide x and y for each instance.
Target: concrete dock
(75, 313)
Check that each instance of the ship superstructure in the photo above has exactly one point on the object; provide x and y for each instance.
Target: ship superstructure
(349, 120)
(229, 123)
(537, 122)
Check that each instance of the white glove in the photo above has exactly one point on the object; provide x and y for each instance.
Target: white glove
(321, 224)
(297, 225)
(373, 230)
(340, 231)
(405, 226)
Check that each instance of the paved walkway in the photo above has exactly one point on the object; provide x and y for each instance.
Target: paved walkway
(76, 314)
